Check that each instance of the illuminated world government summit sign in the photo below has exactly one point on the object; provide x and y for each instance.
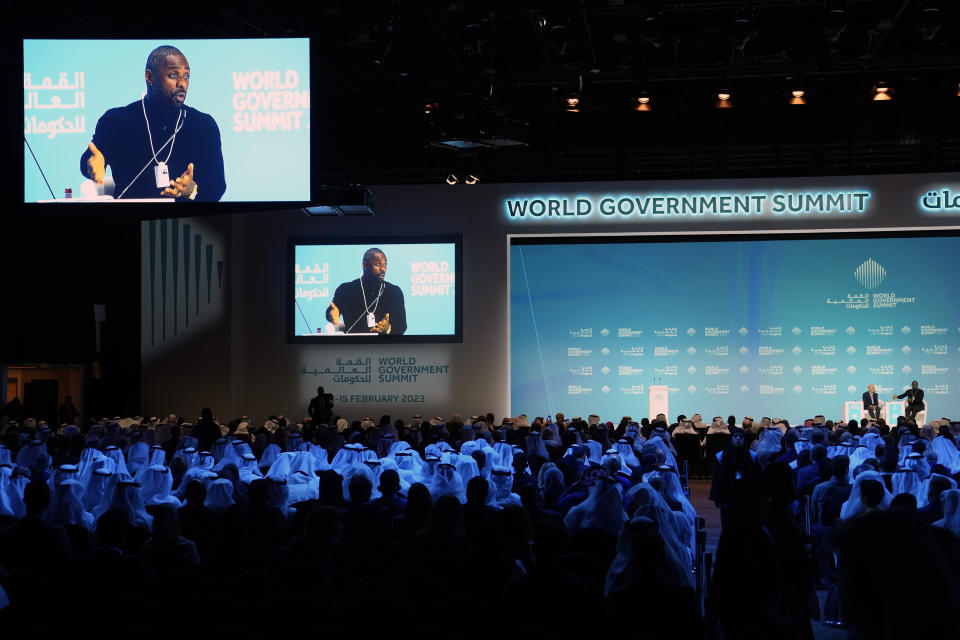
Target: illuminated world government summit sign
(689, 205)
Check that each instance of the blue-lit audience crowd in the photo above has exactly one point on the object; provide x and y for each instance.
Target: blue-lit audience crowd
(467, 527)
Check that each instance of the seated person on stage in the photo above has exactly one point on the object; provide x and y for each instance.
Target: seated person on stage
(368, 304)
(157, 146)
(871, 402)
(914, 398)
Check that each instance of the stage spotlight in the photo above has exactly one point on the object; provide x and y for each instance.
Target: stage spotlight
(643, 102)
(471, 179)
(798, 96)
(573, 103)
(882, 92)
(723, 99)
(452, 179)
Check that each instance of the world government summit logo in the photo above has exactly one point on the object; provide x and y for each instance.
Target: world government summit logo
(870, 273)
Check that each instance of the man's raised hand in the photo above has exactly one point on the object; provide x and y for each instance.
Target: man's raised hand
(181, 187)
(96, 164)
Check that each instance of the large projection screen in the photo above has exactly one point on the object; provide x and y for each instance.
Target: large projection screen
(255, 90)
(787, 327)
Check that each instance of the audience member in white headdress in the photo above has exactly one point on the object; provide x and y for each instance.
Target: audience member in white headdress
(719, 425)
(66, 506)
(627, 455)
(447, 481)
(137, 455)
(96, 487)
(684, 426)
(358, 470)
(269, 456)
(61, 473)
(33, 455)
(189, 457)
(249, 470)
(907, 481)
(504, 452)
(202, 474)
(919, 464)
(947, 453)
(230, 456)
(88, 462)
(157, 456)
(603, 508)
(769, 445)
(645, 500)
(407, 467)
(9, 506)
(126, 497)
(351, 454)
(863, 498)
(219, 495)
(318, 452)
(657, 440)
(302, 486)
(113, 452)
(951, 512)
(501, 479)
(155, 485)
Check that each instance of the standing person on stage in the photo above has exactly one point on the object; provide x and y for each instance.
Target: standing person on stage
(871, 402)
(914, 396)
(157, 146)
(369, 303)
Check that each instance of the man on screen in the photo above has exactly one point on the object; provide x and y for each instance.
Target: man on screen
(914, 396)
(369, 303)
(157, 146)
(871, 402)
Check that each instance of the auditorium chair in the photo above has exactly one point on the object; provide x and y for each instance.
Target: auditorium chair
(922, 415)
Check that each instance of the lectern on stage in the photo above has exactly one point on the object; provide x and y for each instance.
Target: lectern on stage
(658, 401)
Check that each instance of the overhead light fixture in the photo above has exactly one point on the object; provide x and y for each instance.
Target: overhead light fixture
(798, 96)
(342, 201)
(573, 103)
(430, 107)
(723, 99)
(882, 92)
(452, 179)
(643, 102)
(471, 179)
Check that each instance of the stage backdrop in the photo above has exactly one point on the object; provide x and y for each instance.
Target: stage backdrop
(257, 91)
(241, 363)
(781, 328)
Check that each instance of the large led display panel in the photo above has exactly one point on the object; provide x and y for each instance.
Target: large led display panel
(371, 290)
(781, 328)
(231, 117)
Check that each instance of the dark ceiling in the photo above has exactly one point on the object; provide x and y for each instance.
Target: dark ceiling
(506, 68)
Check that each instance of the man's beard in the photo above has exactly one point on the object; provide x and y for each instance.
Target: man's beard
(371, 280)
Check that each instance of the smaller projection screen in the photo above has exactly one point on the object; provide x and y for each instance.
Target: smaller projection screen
(371, 289)
(233, 115)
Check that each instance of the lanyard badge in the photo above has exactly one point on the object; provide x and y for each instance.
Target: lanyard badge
(162, 174)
